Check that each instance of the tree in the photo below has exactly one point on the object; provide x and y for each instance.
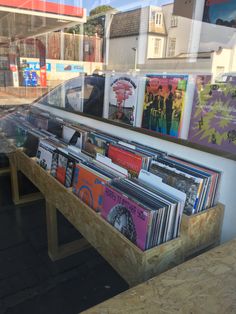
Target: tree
(95, 24)
(100, 9)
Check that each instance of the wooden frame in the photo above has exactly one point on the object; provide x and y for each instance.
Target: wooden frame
(16, 197)
(134, 265)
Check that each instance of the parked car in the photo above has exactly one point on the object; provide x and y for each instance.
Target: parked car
(222, 80)
(80, 94)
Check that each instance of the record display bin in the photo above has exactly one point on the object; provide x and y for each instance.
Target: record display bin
(133, 265)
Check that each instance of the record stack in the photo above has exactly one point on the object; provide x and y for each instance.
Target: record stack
(147, 214)
(200, 183)
(90, 179)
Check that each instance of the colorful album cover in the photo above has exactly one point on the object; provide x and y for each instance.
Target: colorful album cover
(126, 216)
(89, 187)
(122, 99)
(220, 12)
(126, 159)
(164, 102)
(95, 144)
(183, 183)
(213, 118)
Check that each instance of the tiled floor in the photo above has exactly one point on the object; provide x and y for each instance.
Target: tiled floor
(30, 282)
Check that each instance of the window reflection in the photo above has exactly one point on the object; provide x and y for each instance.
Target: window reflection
(76, 64)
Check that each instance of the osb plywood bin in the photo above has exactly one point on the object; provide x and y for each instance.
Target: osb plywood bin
(202, 230)
(198, 232)
(133, 265)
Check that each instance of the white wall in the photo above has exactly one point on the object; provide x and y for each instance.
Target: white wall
(228, 167)
(121, 56)
(215, 36)
(221, 60)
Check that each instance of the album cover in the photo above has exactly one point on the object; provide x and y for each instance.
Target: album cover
(44, 154)
(125, 158)
(164, 103)
(123, 99)
(88, 185)
(127, 216)
(213, 118)
(181, 182)
(97, 142)
(61, 168)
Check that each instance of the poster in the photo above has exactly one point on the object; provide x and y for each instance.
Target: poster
(123, 99)
(73, 68)
(220, 12)
(213, 119)
(36, 66)
(164, 103)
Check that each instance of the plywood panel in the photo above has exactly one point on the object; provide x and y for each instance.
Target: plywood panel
(202, 230)
(129, 261)
(205, 284)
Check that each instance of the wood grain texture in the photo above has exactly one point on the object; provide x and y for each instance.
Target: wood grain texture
(205, 284)
(202, 230)
(128, 260)
(16, 197)
(134, 265)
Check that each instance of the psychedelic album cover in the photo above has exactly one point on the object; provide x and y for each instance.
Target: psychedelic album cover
(220, 12)
(88, 185)
(123, 99)
(164, 103)
(213, 118)
(127, 216)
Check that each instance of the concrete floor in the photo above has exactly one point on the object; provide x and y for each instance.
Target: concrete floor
(29, 281)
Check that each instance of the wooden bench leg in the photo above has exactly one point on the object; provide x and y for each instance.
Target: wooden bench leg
(14, 181)
(16, 197)
(55, 251)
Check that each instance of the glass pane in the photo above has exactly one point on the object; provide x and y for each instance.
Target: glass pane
(120, 60)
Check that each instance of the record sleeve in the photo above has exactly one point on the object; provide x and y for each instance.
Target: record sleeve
(125, 215)
(213, 118)
(123, 99)
(164, 103)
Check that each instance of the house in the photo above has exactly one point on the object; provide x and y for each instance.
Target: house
(136, 36)
(155, 39)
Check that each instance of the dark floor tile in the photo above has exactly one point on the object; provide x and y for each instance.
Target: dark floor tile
(75, 295)
(10, 233)
(30, 282)
(31, 216)
(20, 281)
(5, 191)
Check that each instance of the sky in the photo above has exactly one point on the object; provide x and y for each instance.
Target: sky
(124, 4)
